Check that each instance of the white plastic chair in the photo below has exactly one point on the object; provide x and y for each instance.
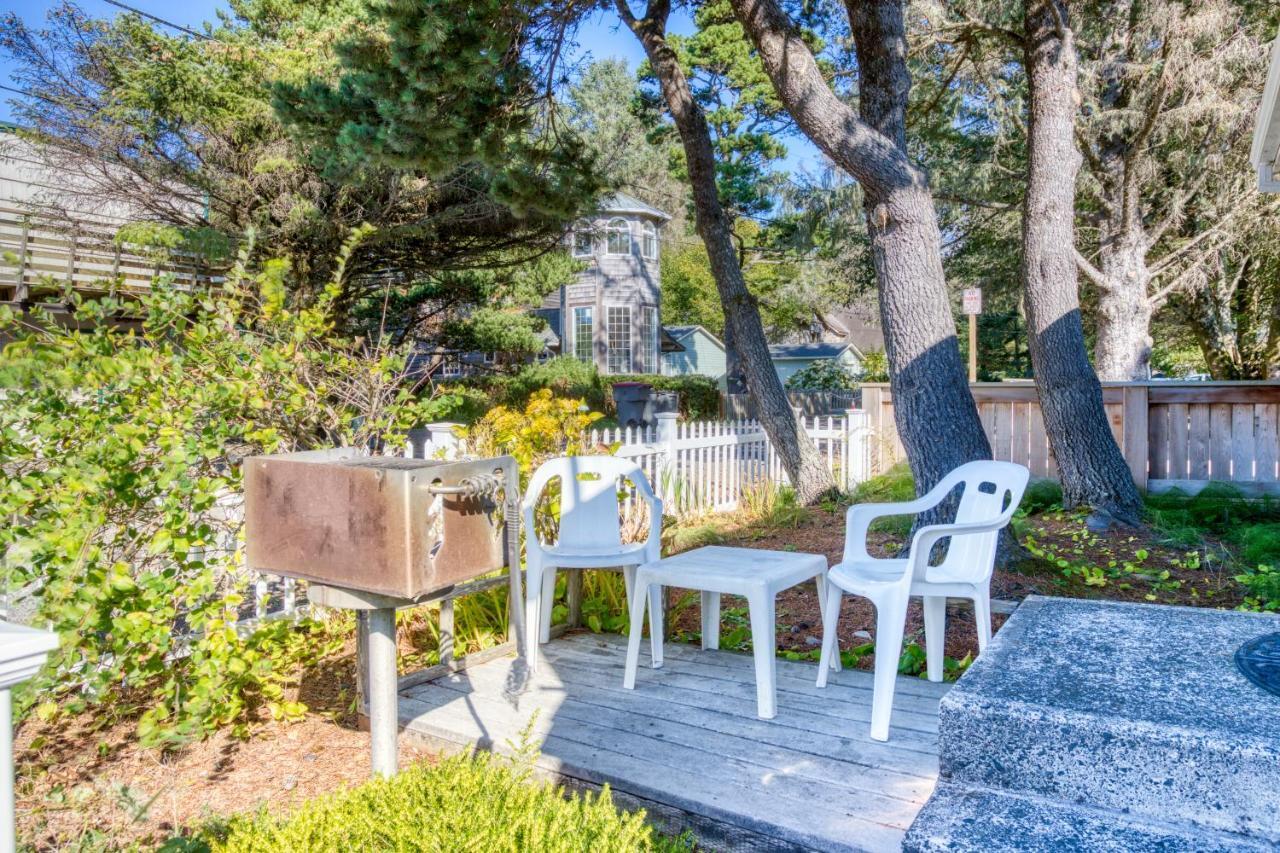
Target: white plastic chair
(992, 491)
(590, 537)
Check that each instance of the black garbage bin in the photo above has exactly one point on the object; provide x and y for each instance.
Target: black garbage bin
(634, 402)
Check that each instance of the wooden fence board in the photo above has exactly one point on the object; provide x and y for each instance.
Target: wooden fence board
(1039, 443)
(1177, 468)
(1265, 441)
(1158, 442)
(1242, 442)
(1198, 440)
(1220, 441)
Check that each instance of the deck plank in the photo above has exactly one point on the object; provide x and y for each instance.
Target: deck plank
(687, 738)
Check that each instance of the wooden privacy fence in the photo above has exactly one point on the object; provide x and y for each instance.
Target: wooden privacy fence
(1180, 435)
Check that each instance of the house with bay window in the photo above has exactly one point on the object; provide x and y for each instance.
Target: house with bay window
(610, 315)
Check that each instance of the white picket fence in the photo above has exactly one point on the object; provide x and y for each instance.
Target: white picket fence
(708, 466)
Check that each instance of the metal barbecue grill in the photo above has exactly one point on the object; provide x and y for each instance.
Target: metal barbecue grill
(374, 534)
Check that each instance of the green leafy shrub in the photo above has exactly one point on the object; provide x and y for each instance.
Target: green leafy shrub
(481, 803)
(563, 377)
(1262, 585)
(825, 375)
(875, 366)
(570, 378)
(699, 395)
(121, 455)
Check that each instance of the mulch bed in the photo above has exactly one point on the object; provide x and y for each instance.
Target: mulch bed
(79, 783)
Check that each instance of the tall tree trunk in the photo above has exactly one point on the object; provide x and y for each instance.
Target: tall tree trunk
(805, 467)
(1122, 350)
(934, 410)
(1092, 468)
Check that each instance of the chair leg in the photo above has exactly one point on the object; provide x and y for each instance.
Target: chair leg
(935, 634)
(830, 621)
(656, 636)
(763, 645)
(982, 616)
(532, 607)
(821, 581)
(891, 619)
(548, 600)
(636, 603)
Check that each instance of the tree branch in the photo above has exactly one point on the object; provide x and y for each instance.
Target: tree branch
(1089, 270)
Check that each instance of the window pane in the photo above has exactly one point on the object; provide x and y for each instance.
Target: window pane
(619, 319)
(650, 241)
(619, 238)
(649, 339)
(582, 241)
(583, 332)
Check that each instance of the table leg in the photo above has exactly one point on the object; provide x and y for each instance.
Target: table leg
(822, 609)
(638, 595)
(711, 620)
(763, 644)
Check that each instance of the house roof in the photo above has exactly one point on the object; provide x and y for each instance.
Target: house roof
(782, 352)
(679, 333)
(1265, 153)
(622, 203)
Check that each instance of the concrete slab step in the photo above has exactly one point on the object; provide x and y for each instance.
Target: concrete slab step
(1136, 709)
(960, 819)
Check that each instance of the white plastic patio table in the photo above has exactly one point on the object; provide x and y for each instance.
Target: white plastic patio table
(757, 575)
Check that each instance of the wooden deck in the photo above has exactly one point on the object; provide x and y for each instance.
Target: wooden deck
(686, 743)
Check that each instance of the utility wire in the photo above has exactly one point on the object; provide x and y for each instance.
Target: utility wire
(160, 20)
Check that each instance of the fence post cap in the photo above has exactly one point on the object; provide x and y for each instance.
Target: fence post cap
(667, 416)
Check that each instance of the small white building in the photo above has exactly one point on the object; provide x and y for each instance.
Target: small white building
(1265, 154)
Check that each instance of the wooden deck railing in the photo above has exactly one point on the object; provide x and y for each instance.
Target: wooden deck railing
(50, 256)
(1173, 434)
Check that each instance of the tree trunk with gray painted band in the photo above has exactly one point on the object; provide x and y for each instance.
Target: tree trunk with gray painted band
(934, 411)
(1092, 468)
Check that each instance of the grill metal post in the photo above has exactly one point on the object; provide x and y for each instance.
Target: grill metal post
(384, 725)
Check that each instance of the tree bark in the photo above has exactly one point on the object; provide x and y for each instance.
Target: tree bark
(1091, 467)
(933, 408)
(804, 465)
(1122, 349)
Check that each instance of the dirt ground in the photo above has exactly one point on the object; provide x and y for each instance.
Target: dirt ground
(91, 788)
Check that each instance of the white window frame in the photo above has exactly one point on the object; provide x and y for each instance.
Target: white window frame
(617, 226)
(450, 367)
(583, 229)
(649, 241)
(575, 338)
(609, 337)
(649, 338)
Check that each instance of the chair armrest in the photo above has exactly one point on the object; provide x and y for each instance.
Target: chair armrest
(859, 517)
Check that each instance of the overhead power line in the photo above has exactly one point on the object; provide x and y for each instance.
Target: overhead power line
(160, 20)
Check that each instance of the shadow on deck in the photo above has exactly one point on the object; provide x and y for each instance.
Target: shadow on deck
(687, 746)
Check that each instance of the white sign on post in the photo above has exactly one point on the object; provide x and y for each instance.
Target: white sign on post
(973, 300)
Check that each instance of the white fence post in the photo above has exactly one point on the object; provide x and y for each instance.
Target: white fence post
(667, 464)
(442, 439)
(857, 447)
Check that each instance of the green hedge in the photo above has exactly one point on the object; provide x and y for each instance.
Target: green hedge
(568, 377)
(482, 803)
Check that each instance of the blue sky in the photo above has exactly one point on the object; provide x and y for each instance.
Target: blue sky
(600, 38)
